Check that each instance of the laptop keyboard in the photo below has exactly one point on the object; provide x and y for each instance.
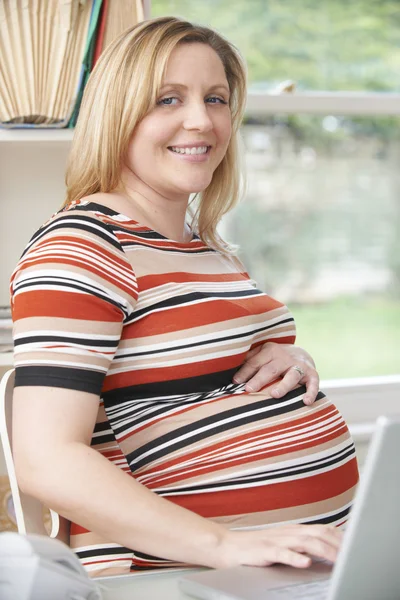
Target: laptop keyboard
(313, 590)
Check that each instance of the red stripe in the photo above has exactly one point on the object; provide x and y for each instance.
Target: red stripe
(206, 313)
(151, 281)
(286, 447)
(54, 303)
(265, 432)
(310, 489)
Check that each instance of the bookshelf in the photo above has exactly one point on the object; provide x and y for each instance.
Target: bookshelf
(33, 136)
(6, 361)
(32, 166)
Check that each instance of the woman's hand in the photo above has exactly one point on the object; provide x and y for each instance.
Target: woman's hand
(287, 544)
(270, 361)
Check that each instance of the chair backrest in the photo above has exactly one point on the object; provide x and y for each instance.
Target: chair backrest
(28, 510)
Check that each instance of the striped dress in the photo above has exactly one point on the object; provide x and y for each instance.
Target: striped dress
(158, 329)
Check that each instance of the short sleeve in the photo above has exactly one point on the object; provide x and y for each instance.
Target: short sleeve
(71, 292)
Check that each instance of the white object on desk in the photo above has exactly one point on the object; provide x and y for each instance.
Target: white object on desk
(37, 567)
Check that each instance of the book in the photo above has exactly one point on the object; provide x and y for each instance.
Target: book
(100, 35)
(47, 51)
(121, 14)
(87, 62)
(41, 54)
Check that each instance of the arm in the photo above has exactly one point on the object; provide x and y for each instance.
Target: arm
(55, 464)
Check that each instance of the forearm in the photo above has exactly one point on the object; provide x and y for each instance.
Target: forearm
(85, 488)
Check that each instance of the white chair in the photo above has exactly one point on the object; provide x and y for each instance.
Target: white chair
(28, 510)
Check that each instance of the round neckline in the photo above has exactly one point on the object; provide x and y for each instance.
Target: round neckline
(106, 210)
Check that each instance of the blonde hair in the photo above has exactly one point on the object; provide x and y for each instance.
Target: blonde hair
(123, 88)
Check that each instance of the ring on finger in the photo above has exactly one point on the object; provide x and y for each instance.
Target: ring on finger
(299, 370)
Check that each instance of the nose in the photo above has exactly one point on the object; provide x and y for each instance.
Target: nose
(197, 117)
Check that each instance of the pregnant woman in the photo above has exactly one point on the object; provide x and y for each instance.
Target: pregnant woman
(160, 403)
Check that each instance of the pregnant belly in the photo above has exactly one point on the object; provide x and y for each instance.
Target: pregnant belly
(250, 460)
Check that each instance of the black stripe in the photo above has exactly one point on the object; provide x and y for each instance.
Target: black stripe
(94, 206)
(277, 474)
(146, 232)
(141, 414)
(126, 245)
(133, 457)
(207, 342)
(340, 454)
(68, 378)
(104, 426)
(54, 225)
(103, 552)
(330, 518)
(175, 387)
(66, 339)
(191, 297)
(102, 439)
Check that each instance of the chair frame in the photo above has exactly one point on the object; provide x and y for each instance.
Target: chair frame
(28, 510)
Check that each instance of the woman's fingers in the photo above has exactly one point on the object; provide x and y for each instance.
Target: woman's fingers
(312, 386)
(267, 363)
(313, 540)
(315, 547)
(266, 374)
(251, 365)
(291, 379)
(318, 540)
(286, 556)
(288, 544)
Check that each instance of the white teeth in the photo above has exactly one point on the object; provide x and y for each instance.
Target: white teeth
(199, 150)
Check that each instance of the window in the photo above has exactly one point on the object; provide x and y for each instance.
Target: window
(320, 225)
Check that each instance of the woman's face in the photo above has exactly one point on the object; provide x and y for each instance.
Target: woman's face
(176, 148)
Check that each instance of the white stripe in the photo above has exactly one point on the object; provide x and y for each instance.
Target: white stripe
(231, 419)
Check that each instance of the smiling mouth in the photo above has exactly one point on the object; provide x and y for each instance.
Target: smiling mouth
(195, 151)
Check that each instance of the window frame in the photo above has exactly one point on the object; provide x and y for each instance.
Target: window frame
(323, 103)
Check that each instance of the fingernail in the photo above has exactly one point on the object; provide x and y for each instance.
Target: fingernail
(237, 379)
(249, 388)
(275, 391)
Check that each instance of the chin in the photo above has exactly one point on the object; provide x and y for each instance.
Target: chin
(198, 186)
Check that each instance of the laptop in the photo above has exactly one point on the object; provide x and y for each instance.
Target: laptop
(368, 565)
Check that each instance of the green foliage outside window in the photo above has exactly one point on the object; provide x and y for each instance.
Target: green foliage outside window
(322, 45)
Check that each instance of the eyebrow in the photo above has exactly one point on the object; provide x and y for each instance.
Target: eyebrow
(180, 85)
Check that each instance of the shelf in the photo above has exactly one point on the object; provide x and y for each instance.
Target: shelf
(6, 359)
(36, 135)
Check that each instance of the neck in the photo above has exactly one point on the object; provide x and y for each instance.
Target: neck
(146, 205)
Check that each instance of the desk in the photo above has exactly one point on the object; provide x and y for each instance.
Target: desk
(157, 586)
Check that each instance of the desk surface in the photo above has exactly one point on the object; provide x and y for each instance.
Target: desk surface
(163, 586)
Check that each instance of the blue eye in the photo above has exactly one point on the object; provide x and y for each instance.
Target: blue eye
(167, 101)
(213, 98)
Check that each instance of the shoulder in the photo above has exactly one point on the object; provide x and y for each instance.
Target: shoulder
(75, 223)
(75, 238)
